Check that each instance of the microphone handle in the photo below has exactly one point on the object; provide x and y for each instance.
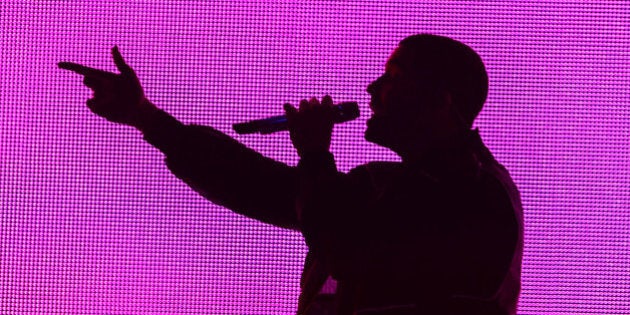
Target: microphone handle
(344, 112)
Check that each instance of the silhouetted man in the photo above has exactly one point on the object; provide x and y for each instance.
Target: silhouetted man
(439, 233)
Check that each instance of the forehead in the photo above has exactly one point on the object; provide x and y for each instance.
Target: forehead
(397, 60)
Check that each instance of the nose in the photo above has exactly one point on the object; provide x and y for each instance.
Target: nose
(372, 88)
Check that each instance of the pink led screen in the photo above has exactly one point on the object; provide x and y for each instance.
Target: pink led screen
(93, 222)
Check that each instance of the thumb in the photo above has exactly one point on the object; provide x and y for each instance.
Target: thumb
(290, 110)
(122, 66)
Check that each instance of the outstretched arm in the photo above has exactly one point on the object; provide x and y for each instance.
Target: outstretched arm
(215, 165)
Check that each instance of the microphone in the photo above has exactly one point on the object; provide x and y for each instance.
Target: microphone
(345, 111)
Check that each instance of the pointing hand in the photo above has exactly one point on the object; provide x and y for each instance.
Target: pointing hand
(117, 97)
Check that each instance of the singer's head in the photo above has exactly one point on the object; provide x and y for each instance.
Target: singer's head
(431, 92)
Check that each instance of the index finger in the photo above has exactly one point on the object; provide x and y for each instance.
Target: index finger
(83, 70)
(327, 101)
(120, 62)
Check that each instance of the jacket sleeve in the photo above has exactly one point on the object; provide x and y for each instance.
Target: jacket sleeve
(225, 171)
(330, 206)
(347, 227)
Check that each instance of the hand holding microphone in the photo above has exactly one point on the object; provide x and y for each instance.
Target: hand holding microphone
(310, 125)
(343, 112)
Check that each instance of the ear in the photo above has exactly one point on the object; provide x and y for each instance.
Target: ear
(443, 101)
(454, 113)
(440, 98)
(447, 99)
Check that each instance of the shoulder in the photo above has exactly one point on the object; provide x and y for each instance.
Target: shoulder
(377, 173)
(375, 176)
(498, 183)
(494, 179)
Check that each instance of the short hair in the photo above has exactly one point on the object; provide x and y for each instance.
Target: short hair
(451, 65)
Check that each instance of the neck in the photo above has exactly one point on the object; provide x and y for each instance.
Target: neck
(445, 156)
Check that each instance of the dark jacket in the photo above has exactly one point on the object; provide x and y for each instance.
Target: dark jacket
(397, 239)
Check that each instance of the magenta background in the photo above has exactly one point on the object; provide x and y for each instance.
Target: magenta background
(93, 222)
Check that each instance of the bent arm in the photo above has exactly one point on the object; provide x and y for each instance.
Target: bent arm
(332, 210)
(225, 171)
(349, 226)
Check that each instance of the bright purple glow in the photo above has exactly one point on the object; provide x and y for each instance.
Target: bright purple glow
(92, 221)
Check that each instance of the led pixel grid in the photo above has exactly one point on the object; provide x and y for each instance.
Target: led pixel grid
(93, 222)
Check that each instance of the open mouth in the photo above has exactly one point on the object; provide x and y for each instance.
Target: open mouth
(371, 120)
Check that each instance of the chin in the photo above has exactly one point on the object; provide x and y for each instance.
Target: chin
(375, 131)
(374, 128)
(372, 135)
(379, 134)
